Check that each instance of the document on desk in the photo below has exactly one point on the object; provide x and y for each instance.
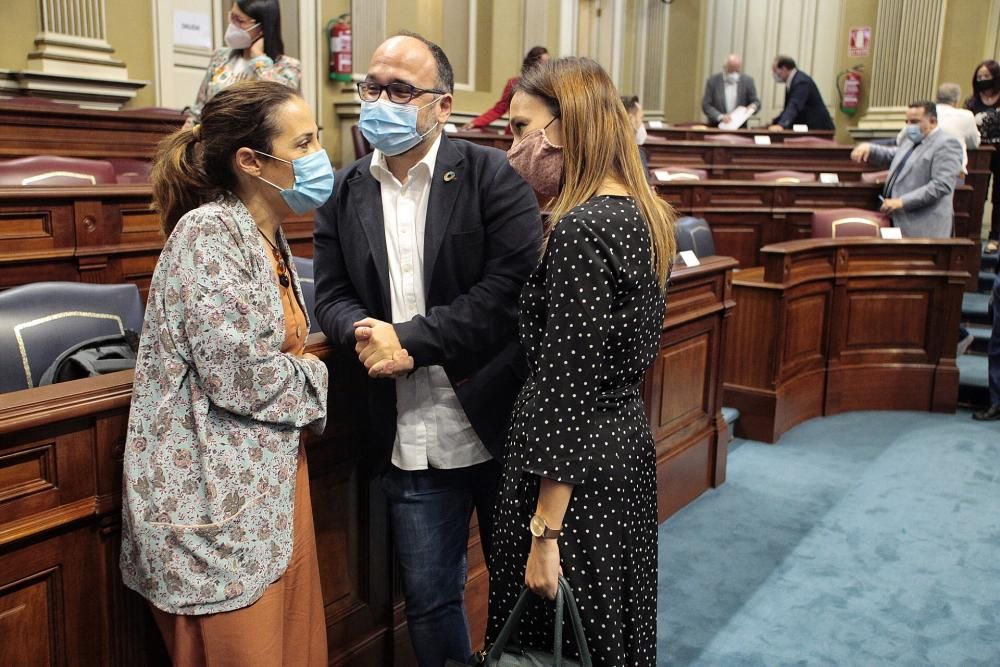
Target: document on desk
(737, 117)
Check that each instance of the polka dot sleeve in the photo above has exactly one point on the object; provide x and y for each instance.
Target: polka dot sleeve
(579, 286)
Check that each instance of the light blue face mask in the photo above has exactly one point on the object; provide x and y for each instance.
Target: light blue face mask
(313, 181)
(914, 134)
(390, 127)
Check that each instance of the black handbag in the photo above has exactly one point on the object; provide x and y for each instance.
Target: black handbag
(506, 653)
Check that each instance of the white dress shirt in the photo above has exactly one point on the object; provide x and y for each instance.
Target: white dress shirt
(788, 81)
(730, 91)
(432, 430)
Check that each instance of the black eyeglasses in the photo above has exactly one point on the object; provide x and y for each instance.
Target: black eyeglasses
(397, 92)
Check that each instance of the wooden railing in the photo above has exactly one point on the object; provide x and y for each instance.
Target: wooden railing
(61, 449)
(831, 325)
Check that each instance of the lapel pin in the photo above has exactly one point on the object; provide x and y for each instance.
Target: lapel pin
(449, 176)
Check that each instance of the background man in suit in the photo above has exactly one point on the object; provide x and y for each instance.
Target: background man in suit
(803, 103)
(728, 89)
(419, 261)
(959, 123)
(922, 173)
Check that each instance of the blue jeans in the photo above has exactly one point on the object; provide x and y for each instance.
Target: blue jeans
(430, 512)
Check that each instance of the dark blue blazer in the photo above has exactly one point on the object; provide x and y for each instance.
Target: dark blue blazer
(804, 104)
(482, 240)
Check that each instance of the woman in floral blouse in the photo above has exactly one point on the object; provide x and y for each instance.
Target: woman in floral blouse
(254, 51)
(217, 527)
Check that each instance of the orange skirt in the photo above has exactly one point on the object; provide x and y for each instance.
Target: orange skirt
(286, 626)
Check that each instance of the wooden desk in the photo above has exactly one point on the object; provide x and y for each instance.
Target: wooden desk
(676, 133)
(831, 325)
(722, 160)
(493, 138)
(96, 234)
(670, 133)
(61, 449)
(65, 130)
(747, 215)
(683, 388)
(739, 162)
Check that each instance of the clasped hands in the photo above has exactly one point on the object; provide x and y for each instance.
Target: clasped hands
(379, 349)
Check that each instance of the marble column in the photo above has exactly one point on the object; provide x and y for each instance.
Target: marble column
(72, 60)
(907, 56)
(367, 30)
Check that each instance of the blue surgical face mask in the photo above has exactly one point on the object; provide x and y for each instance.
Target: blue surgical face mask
(313, 181)
(390, 127)
(914, 134)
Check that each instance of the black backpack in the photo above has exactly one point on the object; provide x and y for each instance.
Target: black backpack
(97, 356)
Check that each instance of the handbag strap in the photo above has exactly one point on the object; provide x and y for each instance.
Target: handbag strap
(557, 629)
(564, 600)
(509, 627)
(576, 621)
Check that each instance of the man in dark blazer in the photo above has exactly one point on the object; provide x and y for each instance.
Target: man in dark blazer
(803, 103)
(420, 257)
(728, 89)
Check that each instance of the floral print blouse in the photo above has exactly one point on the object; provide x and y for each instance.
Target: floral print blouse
(227, 66)
(213, 433)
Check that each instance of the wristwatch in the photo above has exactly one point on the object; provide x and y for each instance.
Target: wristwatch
(540, 529)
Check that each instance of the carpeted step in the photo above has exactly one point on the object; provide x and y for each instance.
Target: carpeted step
(986, 281)
(973, 380)
(732, 415)
(981, 333)
(975, 308)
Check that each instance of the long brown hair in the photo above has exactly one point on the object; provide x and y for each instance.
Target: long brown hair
(598, 141)
(194, 166)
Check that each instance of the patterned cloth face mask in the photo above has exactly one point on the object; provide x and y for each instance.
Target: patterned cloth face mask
(313, 181)
(538, 161)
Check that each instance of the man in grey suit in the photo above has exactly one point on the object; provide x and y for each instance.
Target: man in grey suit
(953, 120)
(922, 173)
(727, 90)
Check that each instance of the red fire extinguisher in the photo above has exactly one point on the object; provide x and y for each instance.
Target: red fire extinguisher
(849, 89)
(338, 31)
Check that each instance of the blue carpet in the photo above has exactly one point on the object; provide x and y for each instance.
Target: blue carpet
(869, 538)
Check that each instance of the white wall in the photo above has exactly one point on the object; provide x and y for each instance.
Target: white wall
(807, 30)
(180, 69)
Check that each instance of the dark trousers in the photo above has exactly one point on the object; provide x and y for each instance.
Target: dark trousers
(995, 194)
(430, 512)
(994, 347)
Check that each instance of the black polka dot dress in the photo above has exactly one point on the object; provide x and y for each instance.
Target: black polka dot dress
(591, 318)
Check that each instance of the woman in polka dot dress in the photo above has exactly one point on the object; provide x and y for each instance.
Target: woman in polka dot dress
(579, 488)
